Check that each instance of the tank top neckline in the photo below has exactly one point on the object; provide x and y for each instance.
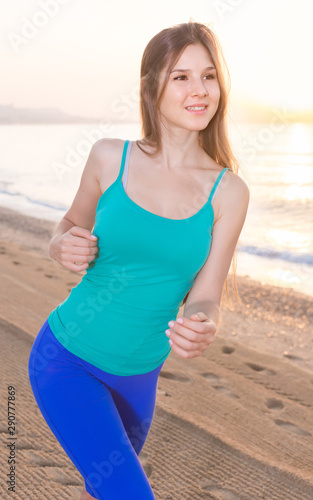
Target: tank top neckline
(119, 183)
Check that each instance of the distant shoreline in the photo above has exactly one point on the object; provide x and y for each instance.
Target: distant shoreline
(241, 112)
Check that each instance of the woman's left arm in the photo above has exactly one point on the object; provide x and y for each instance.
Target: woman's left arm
(191, 335)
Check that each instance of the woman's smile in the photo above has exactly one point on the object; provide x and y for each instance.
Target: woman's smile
(197, 109)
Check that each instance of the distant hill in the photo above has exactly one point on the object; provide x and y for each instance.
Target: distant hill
(241, 110)
(11, 115)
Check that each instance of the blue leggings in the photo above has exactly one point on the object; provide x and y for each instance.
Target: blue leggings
(101, 420)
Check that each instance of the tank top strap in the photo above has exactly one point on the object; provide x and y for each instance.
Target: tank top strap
(214, 189)
(126, 143)
(126, 164)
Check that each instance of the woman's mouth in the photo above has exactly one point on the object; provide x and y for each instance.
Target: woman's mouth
(197, 110)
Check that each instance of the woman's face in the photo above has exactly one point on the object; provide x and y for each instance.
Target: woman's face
(192, 84)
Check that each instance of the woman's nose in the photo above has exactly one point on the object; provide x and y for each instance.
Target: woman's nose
(199, 89)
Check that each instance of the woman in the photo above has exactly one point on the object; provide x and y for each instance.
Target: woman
(155, 223)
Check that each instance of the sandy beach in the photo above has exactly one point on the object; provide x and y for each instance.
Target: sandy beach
(233, 424)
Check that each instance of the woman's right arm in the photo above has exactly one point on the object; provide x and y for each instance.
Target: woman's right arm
(72, 244)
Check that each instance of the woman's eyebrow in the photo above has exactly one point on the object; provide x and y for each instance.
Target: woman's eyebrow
(185, 70)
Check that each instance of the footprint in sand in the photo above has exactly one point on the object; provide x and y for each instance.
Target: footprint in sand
(144, 460)
(215, 381)
(292, 428)
(227, 349)
(274, 404)
(221, 494)
(225, 391)
(293, 357)
(26, 446)
(147, 469)
(37, 459)
(58, 475)
(163, 393)
(174, 376)
(261, 369)
(211, 377)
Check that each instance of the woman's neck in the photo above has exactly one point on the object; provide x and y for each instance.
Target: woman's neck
(179, 148)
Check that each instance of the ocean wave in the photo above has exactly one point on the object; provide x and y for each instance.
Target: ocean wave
(23, 197)
(271, 253)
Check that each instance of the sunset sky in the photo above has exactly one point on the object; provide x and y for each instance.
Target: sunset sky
(82, 57)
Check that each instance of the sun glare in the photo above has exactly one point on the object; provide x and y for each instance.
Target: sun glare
(288, 239)
(300, 141)
(297, 172)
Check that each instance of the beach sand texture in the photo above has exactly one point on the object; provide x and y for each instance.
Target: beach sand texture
(235, 423)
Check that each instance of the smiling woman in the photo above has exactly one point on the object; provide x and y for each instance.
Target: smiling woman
(183, 69)
(152, 220)
(163, 58)
(184, 83)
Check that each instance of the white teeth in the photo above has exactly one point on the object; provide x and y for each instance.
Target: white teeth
(196, 108)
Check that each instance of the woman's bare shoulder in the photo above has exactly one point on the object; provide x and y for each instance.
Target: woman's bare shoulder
(107, 150)
(235, 184)
(233, 195)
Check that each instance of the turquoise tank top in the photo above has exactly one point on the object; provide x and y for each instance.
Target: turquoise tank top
(116, 317)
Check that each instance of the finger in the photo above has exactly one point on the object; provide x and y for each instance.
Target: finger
(83, 233)
(198, 316)
(187, 338)
(185, 333)
(196, 326)
(195, 316)
(75, 267)
(79, 250)
(83, 242)
(77, 258)
(184, 342)
(183, 353)
(203, 327)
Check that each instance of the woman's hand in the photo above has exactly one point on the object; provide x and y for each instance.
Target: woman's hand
(190, 337)
(74, 249)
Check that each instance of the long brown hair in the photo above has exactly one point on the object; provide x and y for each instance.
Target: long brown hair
(163, 51)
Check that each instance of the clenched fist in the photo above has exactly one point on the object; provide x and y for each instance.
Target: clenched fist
(74, 249)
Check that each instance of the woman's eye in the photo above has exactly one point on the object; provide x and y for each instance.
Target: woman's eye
(183, 77)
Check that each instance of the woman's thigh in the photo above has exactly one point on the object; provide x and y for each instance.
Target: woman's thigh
(134, 397)
(95, 424)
